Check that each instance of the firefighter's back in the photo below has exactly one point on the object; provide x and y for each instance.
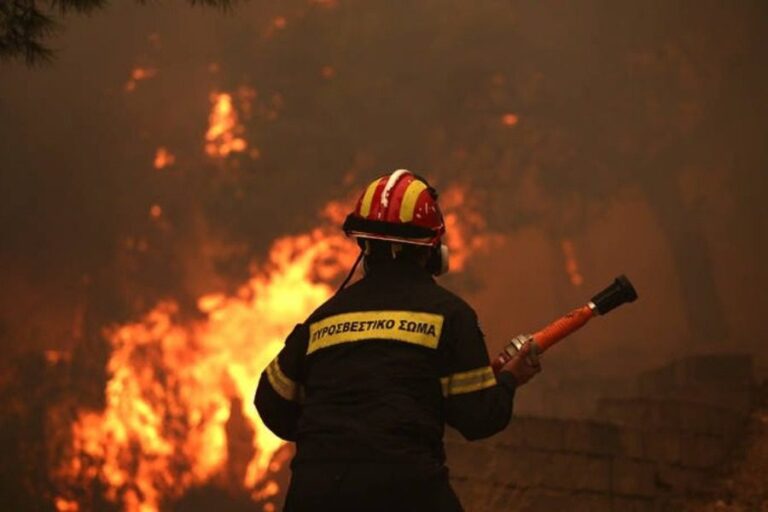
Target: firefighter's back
(372, 388)
(371, 427)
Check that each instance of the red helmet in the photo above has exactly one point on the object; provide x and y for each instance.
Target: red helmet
(398, 207)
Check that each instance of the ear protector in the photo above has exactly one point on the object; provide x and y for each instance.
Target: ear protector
(439, 260)
(439, 257)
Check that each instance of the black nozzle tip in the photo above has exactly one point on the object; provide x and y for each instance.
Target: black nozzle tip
(619, 292)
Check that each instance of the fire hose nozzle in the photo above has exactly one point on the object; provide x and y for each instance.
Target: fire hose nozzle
(619, 292)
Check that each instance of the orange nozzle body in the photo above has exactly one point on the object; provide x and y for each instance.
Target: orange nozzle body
(562, 327)
(619, 292)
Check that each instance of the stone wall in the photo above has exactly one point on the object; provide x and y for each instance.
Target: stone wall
(639, 454)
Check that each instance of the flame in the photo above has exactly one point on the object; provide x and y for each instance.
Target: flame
(571, 265)
(142, 73)
(224, 129)
(137, 75)
(163, 158)
(179, 397)
(466, 229)
(175, 387)
(64, 505)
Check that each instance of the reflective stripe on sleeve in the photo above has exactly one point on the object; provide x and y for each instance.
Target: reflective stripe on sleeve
(469, 381)
(282, 384)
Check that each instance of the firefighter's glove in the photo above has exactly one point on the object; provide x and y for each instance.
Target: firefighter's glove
(524, 365)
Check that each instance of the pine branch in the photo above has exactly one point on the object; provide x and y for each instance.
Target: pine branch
(25, 26)
(221, 4)
(23, 30)
(80, 6)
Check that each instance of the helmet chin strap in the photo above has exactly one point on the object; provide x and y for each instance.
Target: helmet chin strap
(395, 249)
(352, 271)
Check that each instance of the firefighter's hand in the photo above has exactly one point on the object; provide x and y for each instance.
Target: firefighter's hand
(524, 365)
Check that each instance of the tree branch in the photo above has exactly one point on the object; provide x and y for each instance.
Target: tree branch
(25, 25)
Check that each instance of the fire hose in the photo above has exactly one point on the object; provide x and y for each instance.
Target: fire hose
(619, 292)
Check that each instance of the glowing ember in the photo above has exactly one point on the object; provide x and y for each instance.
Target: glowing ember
(509, 119)
(155, 211)
(571, 265)
(163, 158)
(270, 489)
(224, 130)
(54, 357)
(137, 75)
(328, 72)
(142, 73)
(279, 22)
(63, 505)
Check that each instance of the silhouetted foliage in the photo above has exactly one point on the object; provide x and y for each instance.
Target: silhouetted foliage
(26, 25)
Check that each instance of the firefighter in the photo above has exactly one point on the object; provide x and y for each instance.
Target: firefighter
(365, 386)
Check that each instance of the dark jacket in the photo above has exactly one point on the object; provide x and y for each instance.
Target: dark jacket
(376, 372)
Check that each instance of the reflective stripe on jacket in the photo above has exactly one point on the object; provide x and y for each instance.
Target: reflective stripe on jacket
(376, 372)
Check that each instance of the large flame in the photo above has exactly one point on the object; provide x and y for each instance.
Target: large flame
(180, 392)
(179, 410)
(174, 386)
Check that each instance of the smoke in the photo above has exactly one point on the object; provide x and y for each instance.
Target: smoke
(613, 105)
(607, 98)
(599, 138)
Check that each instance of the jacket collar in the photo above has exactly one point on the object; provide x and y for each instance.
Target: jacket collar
(399, 269)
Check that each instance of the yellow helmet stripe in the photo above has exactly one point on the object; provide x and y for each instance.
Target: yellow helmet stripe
(408, 206)
(365, 204)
